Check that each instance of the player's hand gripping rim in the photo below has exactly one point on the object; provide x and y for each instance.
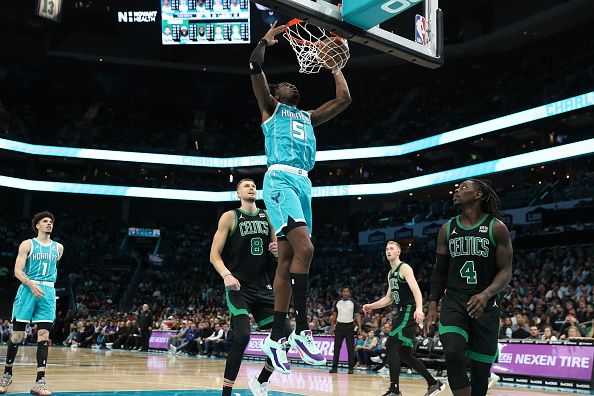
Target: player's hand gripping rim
(272, 33)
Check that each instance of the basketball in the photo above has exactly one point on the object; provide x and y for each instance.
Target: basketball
(333, 52)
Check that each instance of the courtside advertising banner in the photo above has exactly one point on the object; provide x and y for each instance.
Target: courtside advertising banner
(324, 343)
(159, 339)
(572, 362)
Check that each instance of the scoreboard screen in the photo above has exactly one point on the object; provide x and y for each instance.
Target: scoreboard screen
(205, 22)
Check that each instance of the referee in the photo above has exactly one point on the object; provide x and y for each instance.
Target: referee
(146, 325)
(344, 316)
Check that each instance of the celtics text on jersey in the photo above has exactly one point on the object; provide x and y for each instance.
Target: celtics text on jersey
(472, 265)
(245, 250)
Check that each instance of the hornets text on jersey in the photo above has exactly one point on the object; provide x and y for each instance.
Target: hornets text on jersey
(289, 138)
(42, 262)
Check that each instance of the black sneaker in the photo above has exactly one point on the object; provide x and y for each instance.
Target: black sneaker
(435, 389)
(390, 393)
(332, 371)
(350, 371)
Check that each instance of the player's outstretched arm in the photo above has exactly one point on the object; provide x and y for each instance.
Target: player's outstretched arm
(226, 224)
(382, 302)
(266, 102)
(333, 107)
(503, 256)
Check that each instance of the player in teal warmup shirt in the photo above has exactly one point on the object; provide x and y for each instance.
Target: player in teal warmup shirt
(35, 302)
(291, 152)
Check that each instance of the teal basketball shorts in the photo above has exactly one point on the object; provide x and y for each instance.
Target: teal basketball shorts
(28, 308)
(287, 194)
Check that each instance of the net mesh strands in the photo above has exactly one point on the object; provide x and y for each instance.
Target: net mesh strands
(316, 48)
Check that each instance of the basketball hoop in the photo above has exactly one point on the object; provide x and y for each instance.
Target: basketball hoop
(315, 47)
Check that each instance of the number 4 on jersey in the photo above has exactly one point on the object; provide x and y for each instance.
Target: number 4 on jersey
(467, 271)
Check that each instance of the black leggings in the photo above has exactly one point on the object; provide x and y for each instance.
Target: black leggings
(241, 338)
(454, 346)
(397, 353)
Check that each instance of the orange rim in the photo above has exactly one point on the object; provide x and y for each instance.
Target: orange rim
(296, 21)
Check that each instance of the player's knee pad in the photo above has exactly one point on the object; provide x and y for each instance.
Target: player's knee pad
(406, 354)
(393, 344)
(454, 346)
(241, 331)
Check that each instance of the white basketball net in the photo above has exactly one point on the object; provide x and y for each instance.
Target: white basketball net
(316, 48)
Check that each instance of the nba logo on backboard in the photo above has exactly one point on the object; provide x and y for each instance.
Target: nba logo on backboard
(421, 29)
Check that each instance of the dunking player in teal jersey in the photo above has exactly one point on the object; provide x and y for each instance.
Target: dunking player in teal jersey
(290, 152)
(36, 267)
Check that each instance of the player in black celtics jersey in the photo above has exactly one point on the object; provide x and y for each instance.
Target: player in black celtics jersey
(239, 253)
(474, 263)
(403, 291)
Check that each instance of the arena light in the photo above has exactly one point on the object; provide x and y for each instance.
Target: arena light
(565, 151)
(536, 113)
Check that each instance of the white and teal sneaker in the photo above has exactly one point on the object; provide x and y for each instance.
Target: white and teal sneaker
(5, 382)
(277, 352)
(304, 343)
(258, 389)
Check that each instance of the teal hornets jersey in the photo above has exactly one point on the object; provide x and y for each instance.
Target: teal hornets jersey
(289, 138)
(42, 262)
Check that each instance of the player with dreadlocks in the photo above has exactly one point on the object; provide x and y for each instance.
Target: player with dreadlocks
(474, 263)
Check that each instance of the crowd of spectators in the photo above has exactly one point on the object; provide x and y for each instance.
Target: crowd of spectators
(550, 297)
(412, 109)
(551, 289)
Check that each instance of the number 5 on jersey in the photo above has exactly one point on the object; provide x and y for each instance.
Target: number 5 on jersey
(298, 129)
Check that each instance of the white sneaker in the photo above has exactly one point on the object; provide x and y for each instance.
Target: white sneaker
(258, 389)
(493, 379)
(384, 370)
(304, 343)
(277, 352)
(5, 382)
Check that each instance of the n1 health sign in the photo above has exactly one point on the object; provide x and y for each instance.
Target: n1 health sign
(546, 360)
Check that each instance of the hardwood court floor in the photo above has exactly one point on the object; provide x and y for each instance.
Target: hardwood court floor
(105, 373)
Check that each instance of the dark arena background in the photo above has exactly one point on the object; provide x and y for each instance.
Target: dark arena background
(132, 122)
